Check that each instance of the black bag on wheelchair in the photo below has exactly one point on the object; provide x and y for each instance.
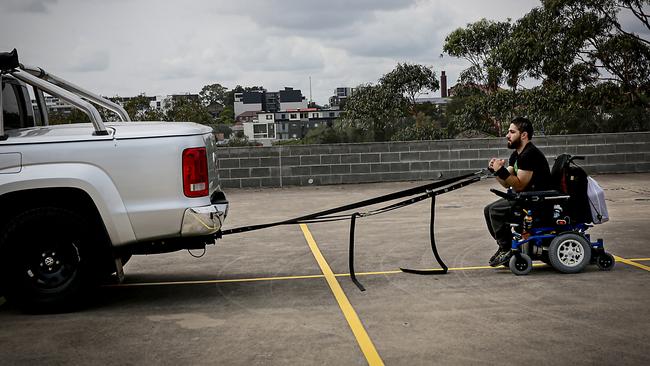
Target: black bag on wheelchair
(587, 201)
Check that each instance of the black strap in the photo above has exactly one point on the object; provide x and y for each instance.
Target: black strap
(434, 249)
(353, 206)
(353, 276)
(430, 191)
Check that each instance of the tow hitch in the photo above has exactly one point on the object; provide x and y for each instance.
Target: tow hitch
(416, 194)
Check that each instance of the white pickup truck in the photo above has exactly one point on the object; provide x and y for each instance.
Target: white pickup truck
(77, 200)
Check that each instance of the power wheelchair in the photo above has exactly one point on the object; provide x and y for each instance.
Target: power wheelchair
(552, 225)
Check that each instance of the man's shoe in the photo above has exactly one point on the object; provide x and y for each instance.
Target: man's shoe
(503, 259)
(497, 257)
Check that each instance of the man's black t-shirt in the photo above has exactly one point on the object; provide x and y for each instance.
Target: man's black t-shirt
(532, 159)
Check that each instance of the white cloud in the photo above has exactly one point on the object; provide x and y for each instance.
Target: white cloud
(308, 17)
(27, 6)
(87, 60)
(130, 47)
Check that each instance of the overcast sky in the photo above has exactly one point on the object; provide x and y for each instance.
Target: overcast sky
(125, 47)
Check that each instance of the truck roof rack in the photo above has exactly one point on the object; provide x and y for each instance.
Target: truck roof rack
(56, 86)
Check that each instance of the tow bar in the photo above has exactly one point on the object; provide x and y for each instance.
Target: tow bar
(417, 194)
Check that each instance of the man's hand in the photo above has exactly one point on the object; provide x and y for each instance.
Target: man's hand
(495, 164)
(491, 165)
(498, 163)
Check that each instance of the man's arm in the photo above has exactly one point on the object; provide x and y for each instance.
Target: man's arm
(503, 182)
(517, 182)
(506, 177)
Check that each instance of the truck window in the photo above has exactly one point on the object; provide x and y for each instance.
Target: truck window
(28, 111)
(10, 107)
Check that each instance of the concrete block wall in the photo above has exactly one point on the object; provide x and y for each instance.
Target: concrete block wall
(300, 165)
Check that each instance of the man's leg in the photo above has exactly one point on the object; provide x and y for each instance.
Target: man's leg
(500, 213)
(496, 216)
(488, 219)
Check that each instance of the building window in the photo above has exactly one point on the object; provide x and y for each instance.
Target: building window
(284, 116)
(314, 115)
(259, 128)
(268, 116)
(293, 116)
(271, 130)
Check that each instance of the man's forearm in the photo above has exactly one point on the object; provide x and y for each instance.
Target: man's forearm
(506, 178)
(502, 182)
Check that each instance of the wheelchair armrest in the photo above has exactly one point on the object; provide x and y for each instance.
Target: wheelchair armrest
(530, 196)
(549, 193)
(507, 195)
(537, 196)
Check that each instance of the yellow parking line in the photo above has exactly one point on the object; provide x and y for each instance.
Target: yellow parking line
(282, 278)
(631, 263)
(367, 347)
(638, 259)
(214, 281)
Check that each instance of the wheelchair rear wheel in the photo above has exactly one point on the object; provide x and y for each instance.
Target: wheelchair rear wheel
(569, 253)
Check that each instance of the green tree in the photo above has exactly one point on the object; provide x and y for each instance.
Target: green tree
(377, 110)
(74, 116)
(595, 74)
(424, 128)
(213, 93)
(189, 110)
(153, 114)
(411, 80)
(221, 128)
(476, 43)
(137, 107)
(227, 116)
(575, 43)
(323, 135)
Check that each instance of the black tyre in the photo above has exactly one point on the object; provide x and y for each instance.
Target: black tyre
(569, 253)
(521, 264)
(48, 259)
(605, 261)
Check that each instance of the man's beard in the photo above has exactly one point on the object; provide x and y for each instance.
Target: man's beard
(514, 144)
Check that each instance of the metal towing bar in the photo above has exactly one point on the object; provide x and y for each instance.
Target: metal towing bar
(416, 194)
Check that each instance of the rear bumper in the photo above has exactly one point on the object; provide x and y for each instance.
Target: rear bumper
(204, 220)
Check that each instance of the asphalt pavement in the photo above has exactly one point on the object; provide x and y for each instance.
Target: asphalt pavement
(283, 296)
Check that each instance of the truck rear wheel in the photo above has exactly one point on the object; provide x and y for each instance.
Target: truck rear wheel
(48, 257)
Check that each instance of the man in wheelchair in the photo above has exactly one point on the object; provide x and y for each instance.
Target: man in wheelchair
(526, 170)
(549, 210)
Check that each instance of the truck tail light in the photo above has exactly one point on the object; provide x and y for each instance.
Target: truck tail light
(195, 172)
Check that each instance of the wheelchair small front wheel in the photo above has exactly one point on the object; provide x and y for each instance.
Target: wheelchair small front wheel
(521, 264)
(569, 253)
(605, 261)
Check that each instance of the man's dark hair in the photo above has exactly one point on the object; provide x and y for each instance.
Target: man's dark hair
(524, 125)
